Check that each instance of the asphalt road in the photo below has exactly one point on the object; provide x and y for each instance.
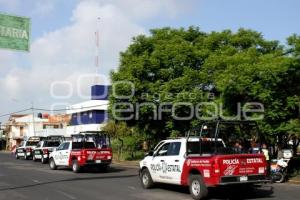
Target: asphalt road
(20, 179)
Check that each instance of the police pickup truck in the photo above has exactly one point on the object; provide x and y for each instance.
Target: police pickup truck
(25, 149)
(45, 147)
(83, 151)
(200, 162)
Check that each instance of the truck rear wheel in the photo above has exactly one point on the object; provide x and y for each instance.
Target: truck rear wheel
(43, 160)
(75, 166)
(52, 164)
(17, 157)
(198, 189)
(146, 179)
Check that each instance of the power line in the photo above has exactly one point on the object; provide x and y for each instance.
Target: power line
(16, 112)
(51, 110)
(65, 109)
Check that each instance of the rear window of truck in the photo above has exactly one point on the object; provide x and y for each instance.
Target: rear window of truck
(205, 147)
(52, 143)
(83, 145)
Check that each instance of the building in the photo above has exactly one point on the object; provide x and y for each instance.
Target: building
(22, 126)
(2, 137)
(89, 115)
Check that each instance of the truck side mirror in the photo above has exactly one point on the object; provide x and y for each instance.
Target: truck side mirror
(150, 153)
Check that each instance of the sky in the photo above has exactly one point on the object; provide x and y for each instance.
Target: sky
(57, 70)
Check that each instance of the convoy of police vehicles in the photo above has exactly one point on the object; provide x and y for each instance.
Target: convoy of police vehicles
(215, 155)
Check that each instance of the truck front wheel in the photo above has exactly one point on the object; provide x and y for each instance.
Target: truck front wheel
(75, 166)
(52, 164)
(146, 179)
(197, 187)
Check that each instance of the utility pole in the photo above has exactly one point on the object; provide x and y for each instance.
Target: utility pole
(33, 122)
(1, 137)
(97, 56)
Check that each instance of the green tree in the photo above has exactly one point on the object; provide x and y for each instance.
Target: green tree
(187, 65)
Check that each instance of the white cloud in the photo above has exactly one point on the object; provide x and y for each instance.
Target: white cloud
(141, 9)
(67, 53)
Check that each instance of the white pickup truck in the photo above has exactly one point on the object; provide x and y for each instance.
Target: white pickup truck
(194, 162)
(80, 154)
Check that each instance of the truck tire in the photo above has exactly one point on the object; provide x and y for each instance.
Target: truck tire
(17, 157)
(43, 160)
(198, 189)
(75, 166)
(33, 158)
(278, 177)
(25, 156)
(146, 179)
(52, 164)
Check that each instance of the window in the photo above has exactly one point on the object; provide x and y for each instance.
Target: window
(163, 150)
(51, 143)
(61, 147)
(39, 145)
(82, 145)
(174, 149)
(21, 131)
(66, 146)
(169, 149)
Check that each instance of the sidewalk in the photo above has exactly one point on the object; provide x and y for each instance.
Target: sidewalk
(4, 151)
(128, 164)
(295, 180)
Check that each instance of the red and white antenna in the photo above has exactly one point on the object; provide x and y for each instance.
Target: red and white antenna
(97, 57)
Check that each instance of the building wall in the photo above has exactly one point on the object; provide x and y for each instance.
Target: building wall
(89, 117)
(84, 127)
(22, 128)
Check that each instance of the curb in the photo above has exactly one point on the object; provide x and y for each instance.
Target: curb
(294, 182)
(5, 152)
(126, 165)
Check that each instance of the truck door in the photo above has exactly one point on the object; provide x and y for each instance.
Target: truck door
(60, 155)
(57, 154)
(173, 164)
(65, 154)
(157, 163)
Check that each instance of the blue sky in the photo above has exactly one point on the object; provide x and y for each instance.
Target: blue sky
(276, 19)
(62, 42)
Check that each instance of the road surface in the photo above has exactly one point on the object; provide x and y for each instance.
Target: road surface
(20, 179)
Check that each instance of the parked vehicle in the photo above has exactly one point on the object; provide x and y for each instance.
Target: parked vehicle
(25, 150)
(206, 160)
(85, 149)
(45, 147)
(279, 167)
(279, 170)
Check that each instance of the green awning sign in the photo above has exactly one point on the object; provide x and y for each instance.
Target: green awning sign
(14, 32)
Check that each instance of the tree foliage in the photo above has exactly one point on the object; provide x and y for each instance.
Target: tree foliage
(236, 67)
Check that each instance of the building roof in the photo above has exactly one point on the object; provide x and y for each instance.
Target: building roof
(88, 106)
